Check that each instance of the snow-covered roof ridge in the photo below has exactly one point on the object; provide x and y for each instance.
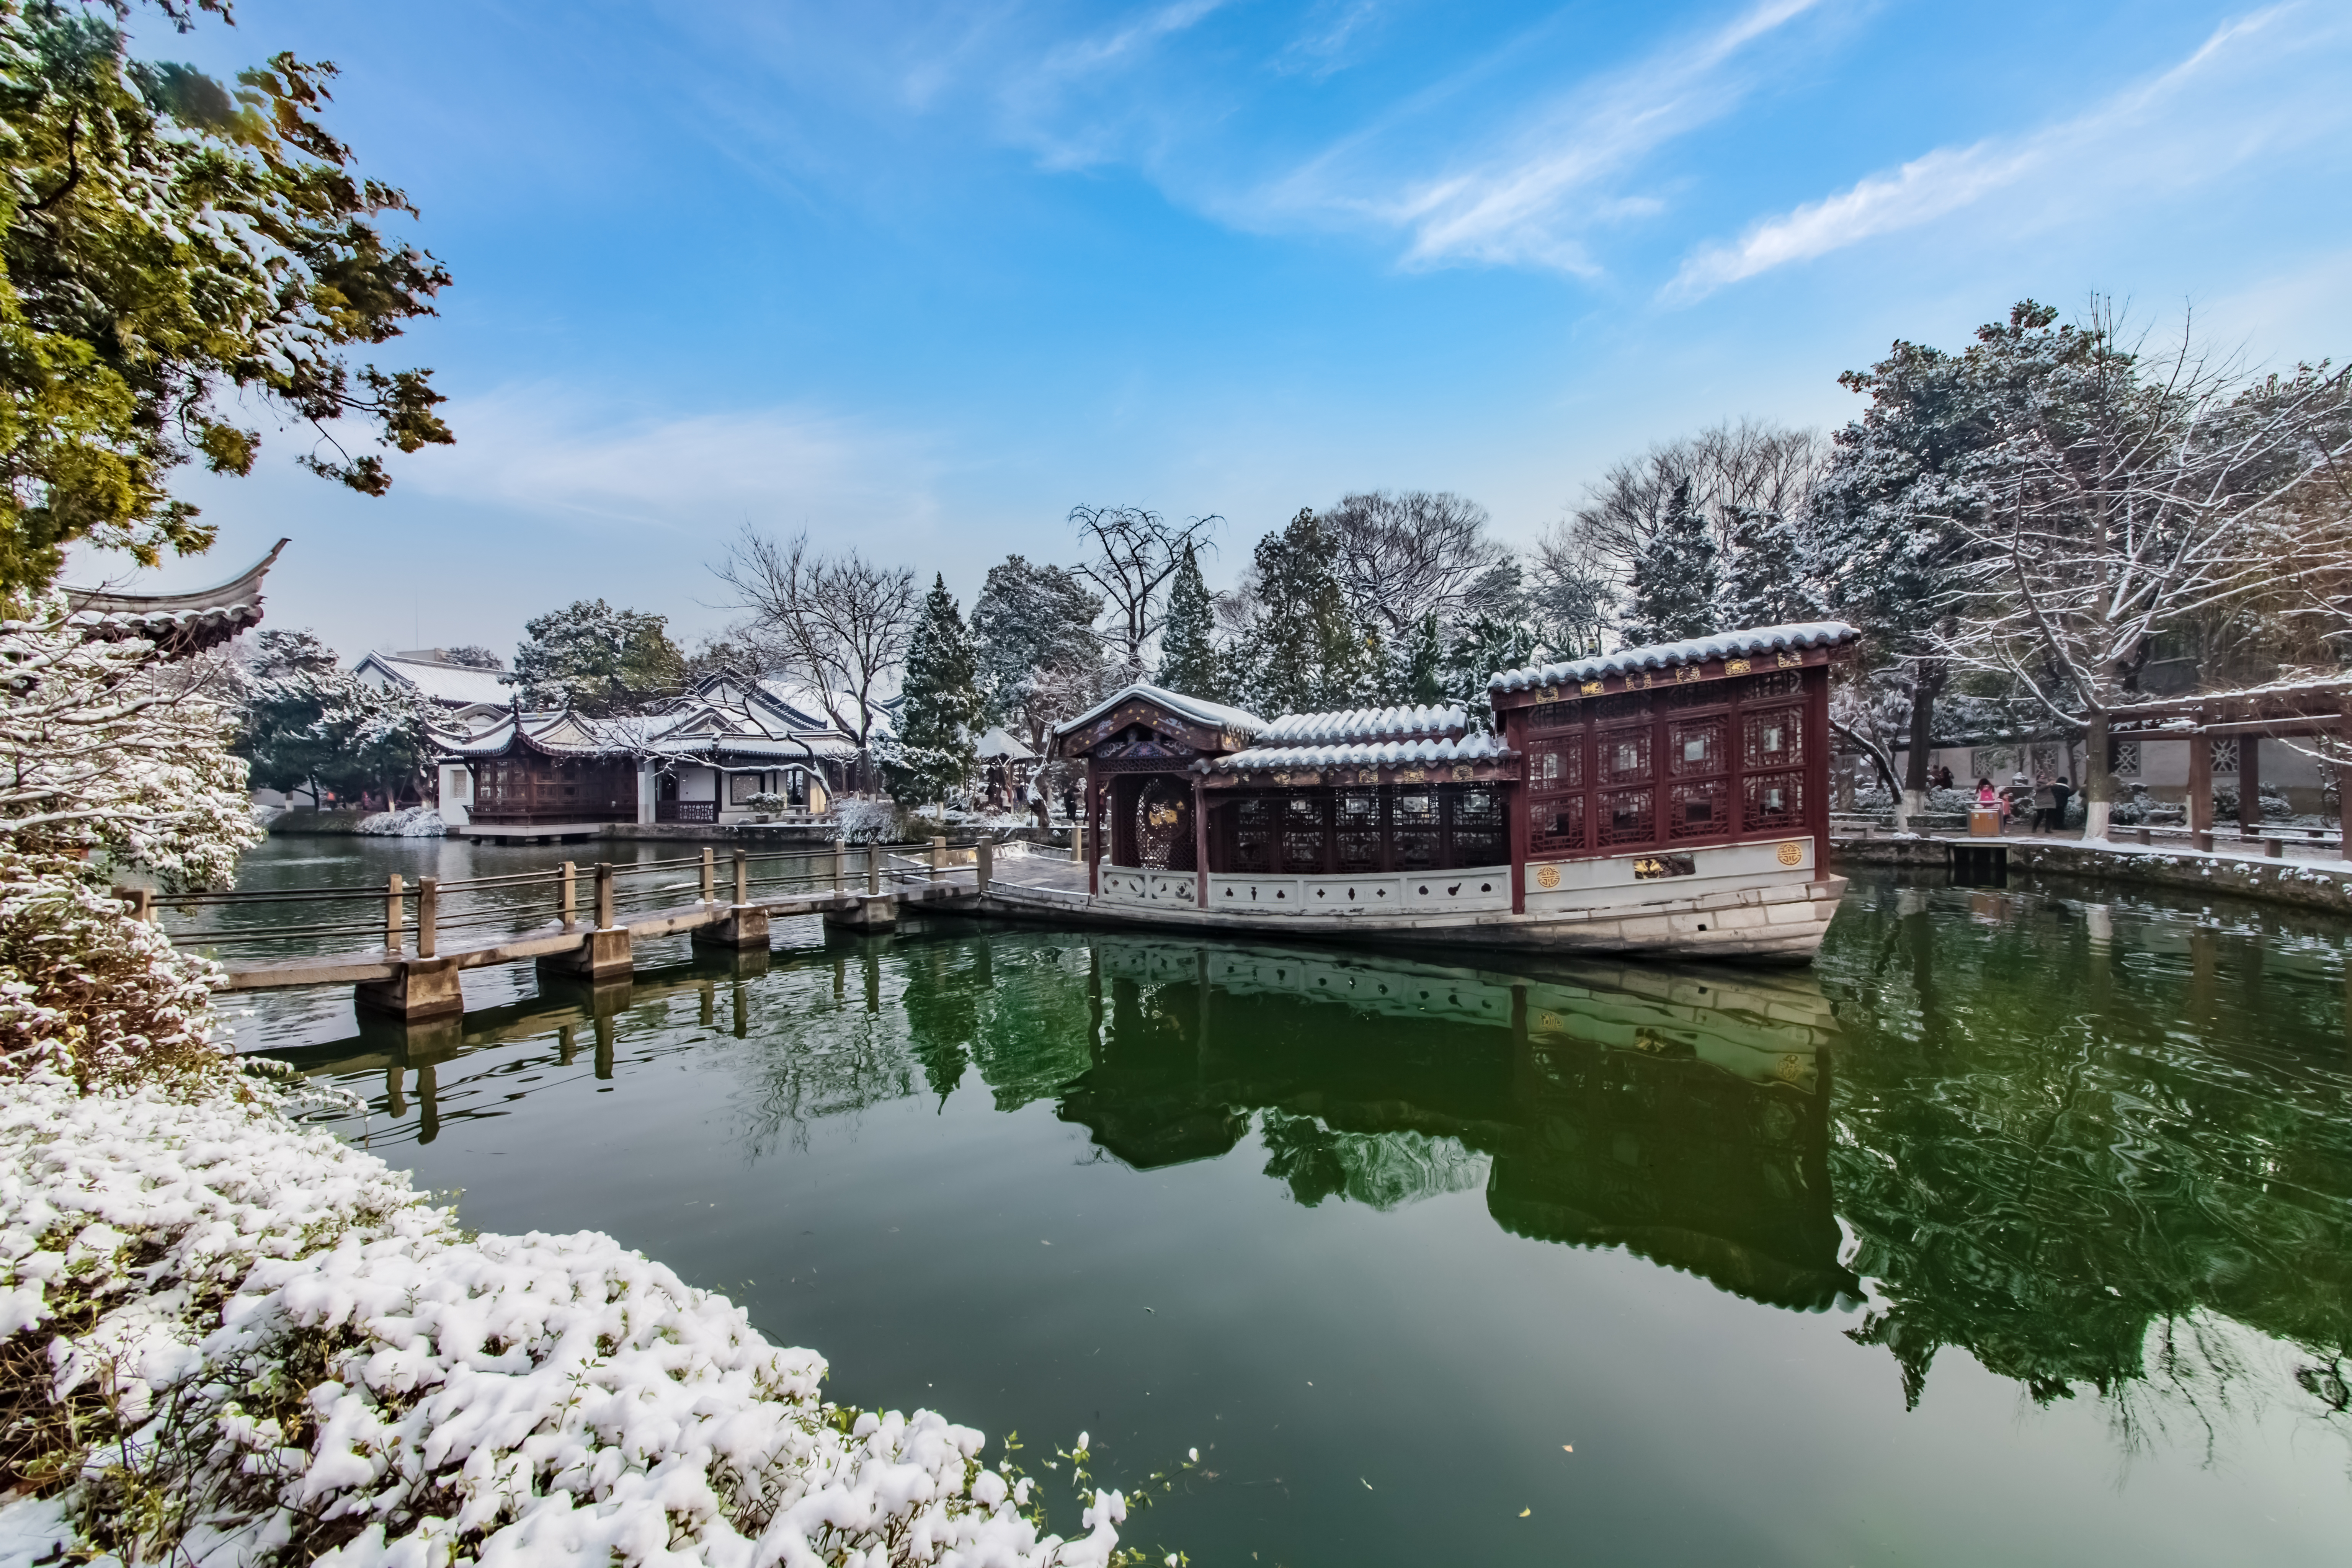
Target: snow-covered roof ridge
(1690, 651)
(1385, 754)
(453, 684)
(1198, 709)
(1366, 724)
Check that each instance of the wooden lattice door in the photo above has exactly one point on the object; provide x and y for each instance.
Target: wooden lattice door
(1163, 826)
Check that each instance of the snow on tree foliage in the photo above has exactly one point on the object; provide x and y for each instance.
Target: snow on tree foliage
(1309, 655)
(1189, 660)
(308, 725)
(1766, 585)
(1040, 659)
(938, 723)
(1677, 579)
(597, 658)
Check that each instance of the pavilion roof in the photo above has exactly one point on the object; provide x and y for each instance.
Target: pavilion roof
(1364, 755)
(1199, 709)
(1690, 651)
(179, 624)
(1365, 724)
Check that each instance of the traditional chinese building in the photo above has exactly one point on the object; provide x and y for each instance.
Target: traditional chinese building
(1672, 797)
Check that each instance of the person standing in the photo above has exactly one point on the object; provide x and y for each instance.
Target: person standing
(2061, 792)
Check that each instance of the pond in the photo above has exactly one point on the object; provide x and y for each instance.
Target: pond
(2018, 1229)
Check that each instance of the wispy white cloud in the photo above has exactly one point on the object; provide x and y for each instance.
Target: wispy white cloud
(1530, 194)
(539, 450)
(1947, 179)
(1081, 56)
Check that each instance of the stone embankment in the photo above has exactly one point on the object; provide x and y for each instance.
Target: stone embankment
(2324, 885)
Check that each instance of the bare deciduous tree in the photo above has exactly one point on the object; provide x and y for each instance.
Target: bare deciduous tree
(1753, 465)
(2129, 493)
(1136, 551)
(1403, 555)
(837, 623)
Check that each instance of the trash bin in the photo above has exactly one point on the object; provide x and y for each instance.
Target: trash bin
(1984, 822)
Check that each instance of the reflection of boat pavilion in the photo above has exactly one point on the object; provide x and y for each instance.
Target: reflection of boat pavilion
(1684, 1119)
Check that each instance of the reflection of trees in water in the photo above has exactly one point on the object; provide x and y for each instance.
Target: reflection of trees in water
(872, 1022)
(1381, 1170)
(2084, 1151)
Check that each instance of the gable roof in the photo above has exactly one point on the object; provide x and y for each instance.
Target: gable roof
(1690, 651)
(1199, 709)
(456, 685)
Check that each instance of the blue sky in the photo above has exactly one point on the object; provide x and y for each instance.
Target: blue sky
(920, 279)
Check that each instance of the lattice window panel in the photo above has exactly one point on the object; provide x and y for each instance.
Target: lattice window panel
(1994, 762)
(1771, 801)
(1624, 705)
(1774, 683)
(1700, 809)
(1556, 824)
(1704, 694)
(1628, 816)
(1624, 756)
(2224, 754)
(1163, 826)
(2123, 759)
(1302, 834)
(1253, 835)
(1556, 716)
(1480, 837)
(1696, 746)
(1553, 767)
(1773, 738)
(1416, 829)
(1356, 830)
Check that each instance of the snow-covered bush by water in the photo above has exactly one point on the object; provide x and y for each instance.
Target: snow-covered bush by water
(226, 1339)
(239, 1340)
(409, 822)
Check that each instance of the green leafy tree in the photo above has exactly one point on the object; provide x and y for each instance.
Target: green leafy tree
(1677, 577)
(1188, 660)
(309, 726)
(1480, 648)
(1310, 655)
(936, 747)
(1040, 657)
(174, 245)
(1417, 668)
(597, 658)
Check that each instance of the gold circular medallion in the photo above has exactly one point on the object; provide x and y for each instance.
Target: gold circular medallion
(1792, 852)
(1547, 877)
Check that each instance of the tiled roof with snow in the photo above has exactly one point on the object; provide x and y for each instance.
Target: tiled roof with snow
(1365, 724)
(1001, 742)
(1383, 754)
(1691, 651)
(453, 684)
(179, 625)
(1199, 709)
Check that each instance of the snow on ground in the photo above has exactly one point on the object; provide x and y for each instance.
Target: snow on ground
(280, 1353)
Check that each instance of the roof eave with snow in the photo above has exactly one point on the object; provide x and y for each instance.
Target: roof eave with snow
(1795, 636)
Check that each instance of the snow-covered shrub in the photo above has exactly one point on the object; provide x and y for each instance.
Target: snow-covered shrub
(233, 1341)
(105, 764)
(768, 802)
(866, 821)
(85, 989)
(409, 822)
(105, 758)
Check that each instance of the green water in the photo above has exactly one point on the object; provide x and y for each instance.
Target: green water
(2018, 1230)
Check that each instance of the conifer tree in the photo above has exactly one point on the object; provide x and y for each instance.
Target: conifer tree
(1189, 660)
(1310, 655)
(1768, 584)
(1677, 577)
(1418, 668)
(936, 743)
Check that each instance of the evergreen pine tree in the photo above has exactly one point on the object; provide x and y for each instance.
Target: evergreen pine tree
(1188, 648)
(1768, 584)
(1481, 648)
(1677, 577)
(936, 743)
(1311, 656)
(1417, 668)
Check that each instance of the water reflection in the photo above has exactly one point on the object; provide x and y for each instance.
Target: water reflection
(2073, 1137)
(2097, 1145)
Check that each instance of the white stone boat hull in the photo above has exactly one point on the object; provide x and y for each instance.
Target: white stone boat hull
(1737, 903)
